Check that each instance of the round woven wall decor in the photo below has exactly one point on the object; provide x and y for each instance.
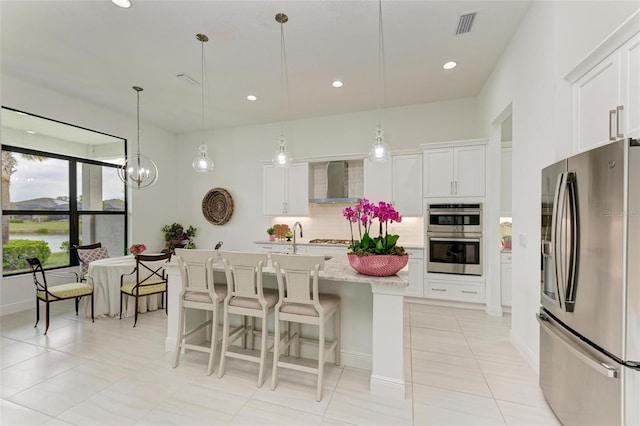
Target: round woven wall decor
(217, 206)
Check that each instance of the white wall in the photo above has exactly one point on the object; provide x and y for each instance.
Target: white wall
(150, 209)
(552, 38)
(239, 153)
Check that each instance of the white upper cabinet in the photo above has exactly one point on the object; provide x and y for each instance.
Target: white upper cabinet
(407, 184)
(398, 181)
(606, 99)
(455, 169)
(378, 179)
(286, 190)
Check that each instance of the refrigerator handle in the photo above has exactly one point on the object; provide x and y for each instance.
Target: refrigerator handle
(600, 367)
(556, 235)
(574, 235)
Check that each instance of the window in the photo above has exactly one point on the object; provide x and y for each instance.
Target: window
(60, 187)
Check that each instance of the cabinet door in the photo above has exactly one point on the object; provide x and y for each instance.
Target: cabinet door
(438, 172)
(416, 277)
(594, 96)
(407, 184)
(297, 200)
(273, 193)
(378, 181)
(469, 171)
(630, 87)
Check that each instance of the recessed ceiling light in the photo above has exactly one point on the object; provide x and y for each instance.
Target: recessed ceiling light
(449, 65)
(31, 132)
(122, 3)
(252, 98)
(337, 83)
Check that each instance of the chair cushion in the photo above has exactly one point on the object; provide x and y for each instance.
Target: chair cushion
(87, 256)
(271, 296)
(144, 290)
(202, 297)
(327, 301)
(66, 291)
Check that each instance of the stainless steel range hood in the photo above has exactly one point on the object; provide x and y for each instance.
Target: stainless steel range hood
(335, 182)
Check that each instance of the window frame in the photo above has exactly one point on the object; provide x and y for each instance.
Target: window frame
(73, 213)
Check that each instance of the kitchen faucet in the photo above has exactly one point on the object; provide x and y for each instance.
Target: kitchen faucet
(295, 248)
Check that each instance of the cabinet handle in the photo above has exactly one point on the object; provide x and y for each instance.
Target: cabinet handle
(451, 187)
(469, 292)
(438, 289)
(455, 186)
(619, 109)
(284, 207)
(611, 114)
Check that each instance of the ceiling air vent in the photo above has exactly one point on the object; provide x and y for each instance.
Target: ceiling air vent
(464, 25)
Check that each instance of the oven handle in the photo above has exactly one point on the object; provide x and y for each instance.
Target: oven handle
(469, 240)
(457, 213)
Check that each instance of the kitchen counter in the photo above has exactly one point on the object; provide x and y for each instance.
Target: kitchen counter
(307, 243)
(372, 313)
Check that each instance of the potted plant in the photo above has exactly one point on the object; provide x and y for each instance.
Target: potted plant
(507, 242)
(378, 256)
(176, 235)
(272, 233)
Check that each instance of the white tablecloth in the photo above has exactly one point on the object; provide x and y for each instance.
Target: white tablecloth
(104, 275)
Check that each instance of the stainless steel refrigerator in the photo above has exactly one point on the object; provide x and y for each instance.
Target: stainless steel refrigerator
(590, 286)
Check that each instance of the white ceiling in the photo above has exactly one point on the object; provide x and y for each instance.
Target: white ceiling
(97, 51)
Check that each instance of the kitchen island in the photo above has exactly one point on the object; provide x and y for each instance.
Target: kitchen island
(371, 318)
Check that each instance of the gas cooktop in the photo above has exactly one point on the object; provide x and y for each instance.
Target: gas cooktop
(329, 241)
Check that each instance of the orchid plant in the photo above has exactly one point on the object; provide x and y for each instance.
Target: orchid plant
(364, 213)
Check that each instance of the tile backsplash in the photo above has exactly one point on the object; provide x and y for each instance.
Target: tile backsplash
(326, 221)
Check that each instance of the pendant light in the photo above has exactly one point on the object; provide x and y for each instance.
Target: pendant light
(282, 158)
(138, 171)
(380, 151)
(202, 163)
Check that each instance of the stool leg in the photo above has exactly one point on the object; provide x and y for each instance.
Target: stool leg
(47, 318)
(214, 339)
(276, 350)
(320, 359)
(225, 337)
(181, 320)
(297, 341)
(263, 348)
(37, 312)
(336, 334)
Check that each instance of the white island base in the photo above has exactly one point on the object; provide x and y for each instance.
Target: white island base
(371, 317)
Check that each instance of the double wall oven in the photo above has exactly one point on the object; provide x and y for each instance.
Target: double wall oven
(454, 239)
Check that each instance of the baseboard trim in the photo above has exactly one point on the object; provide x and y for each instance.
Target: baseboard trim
(493, 310)
(446, 303)
(12, 308)
(388, 387)
(525, 351)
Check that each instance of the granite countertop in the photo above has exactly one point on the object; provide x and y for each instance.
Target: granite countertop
(337, 269)
(306, 243)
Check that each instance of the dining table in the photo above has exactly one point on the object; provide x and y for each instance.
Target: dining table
(104, 275)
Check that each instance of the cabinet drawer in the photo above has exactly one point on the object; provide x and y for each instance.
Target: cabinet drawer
(505, 257)
(415, 253)
(454, 291)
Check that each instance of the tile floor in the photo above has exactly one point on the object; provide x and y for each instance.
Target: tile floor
(460, 370)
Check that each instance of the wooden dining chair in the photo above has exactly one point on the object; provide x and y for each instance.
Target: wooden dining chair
(301, 303)
(246, 297)
(198, 292)
(44, 293)
(150, 279)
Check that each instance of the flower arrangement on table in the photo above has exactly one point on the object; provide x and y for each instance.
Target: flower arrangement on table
(177, 236)
(137, 249)
(379, 256)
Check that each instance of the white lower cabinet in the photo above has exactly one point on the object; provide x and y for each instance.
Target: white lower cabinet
(460, 291)
(416, 266)
(505, 278)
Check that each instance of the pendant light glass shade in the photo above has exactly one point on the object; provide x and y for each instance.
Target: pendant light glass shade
(379, 151)
(281, 158)
(138, 171)
(202, 163)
